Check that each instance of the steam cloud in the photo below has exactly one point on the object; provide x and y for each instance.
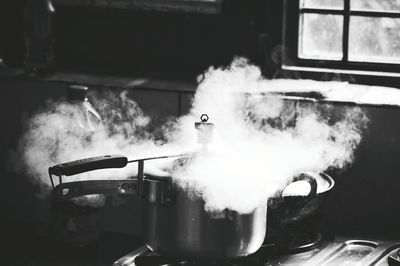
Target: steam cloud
(63, 132)
(260, 141)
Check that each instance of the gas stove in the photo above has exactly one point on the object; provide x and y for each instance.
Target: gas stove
(343, 252)
(320, 250)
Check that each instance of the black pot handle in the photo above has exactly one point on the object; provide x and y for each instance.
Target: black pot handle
(66, 191)
(88, 164)
(304, 177)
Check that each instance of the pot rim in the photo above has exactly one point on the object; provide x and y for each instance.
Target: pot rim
(325, 177)
(329, 179)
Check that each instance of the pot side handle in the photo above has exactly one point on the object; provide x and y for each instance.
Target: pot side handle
(304, 177)
(66, 191)
(88, 164)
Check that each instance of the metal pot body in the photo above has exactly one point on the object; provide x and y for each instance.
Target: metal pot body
(296, 216)
(174, 222)
(72, 225)
(294, 208)
(186, 230)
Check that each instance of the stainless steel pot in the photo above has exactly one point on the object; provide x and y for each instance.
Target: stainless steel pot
(291, 208)
(185, 229)
(295, 216)
(71, 225)
(174, 223)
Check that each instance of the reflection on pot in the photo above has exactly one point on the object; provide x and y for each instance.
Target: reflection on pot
(74, 225)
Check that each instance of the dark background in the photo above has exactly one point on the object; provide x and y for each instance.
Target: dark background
(136, 42)
(176, 47)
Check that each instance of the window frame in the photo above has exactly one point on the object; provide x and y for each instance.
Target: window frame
(291, 31)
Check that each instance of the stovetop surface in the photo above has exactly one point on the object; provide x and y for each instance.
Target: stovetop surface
(25, 247)
(328, 251)
(344, 251)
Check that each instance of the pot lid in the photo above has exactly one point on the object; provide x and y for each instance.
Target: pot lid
(302, 187)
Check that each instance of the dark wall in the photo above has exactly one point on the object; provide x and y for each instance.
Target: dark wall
(11, 31)
(18, 99)
(150, 43)
(365, 199)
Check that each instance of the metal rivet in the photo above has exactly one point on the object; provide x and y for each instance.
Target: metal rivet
(65, 191)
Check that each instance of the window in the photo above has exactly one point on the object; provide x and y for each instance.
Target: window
(345, 34)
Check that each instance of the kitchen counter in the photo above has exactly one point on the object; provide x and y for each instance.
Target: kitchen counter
(334, 92)
(160, 97)
(318, 91)
(106, 81)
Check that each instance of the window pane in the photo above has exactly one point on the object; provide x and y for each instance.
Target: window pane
(321, 36)
(378, 5)
(374, 39)
(331, 4)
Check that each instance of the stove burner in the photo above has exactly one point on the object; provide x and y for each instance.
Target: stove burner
(144, 257)
(297, 245)
(394, 260)
(325, 250)
(160, 261)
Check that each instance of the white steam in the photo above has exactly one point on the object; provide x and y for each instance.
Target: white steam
(260, 142)
(63, 132)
